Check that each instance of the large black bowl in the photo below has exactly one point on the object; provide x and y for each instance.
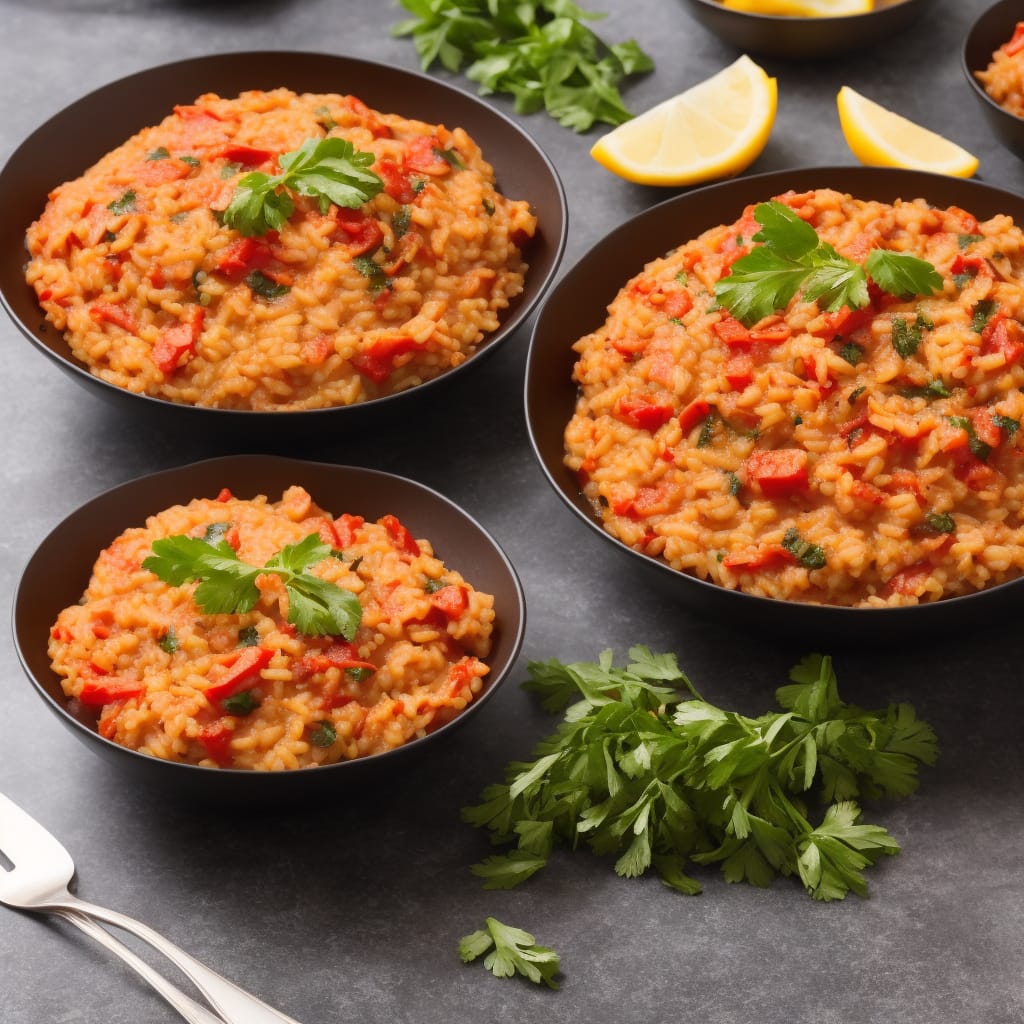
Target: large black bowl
(985, 36)
(72, 140)
(806, 38)
(56, 576)
(578, 305)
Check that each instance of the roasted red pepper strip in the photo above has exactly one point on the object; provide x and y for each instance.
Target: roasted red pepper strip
(1005, 336)
(111, 313)
(770, 557)
(249, 156)
(424, 155)
(178, 341)
(362, 233)
(451, 600)
(241, 257)
(106, 690)
(696, 411)
(377, 362)
(399, 535)
(216, 738)
(639, 411)
(345, 526)
(396, 180)
(779, 472)
(1016, 43)
(732, 332)
(244, 666)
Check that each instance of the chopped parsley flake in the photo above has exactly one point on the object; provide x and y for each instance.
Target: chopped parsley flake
(242, 703)
(809, 555)
(169, 641)
(248, 636)
(215, 532)
(265, 287)
(324, 735)
(852, 353)
(126, 204)
(982, 313)
(160, 153)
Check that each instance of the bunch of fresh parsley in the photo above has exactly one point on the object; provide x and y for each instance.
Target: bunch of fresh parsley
(316, 607)
(330, 170)
(645, 770)
(508, 951)
(792, 258)
(540, 52)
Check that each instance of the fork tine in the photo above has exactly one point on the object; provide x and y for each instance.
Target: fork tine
(43, 862)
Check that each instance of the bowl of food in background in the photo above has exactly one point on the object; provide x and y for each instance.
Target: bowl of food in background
(843, 466)
(801, 29)
(257, 628)
(232, 237)
(993, 61)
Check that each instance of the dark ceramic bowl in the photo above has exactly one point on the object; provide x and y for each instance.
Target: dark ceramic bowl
(578, 305)
(806, 38)
(71, 141)
(57, 574)
(986, 35)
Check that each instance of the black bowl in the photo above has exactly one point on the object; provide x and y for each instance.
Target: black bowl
(72, 140)
(986, 35)
(578, 305)
(805, 38)
(56, 576)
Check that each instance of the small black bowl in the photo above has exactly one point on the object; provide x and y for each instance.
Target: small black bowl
(578, 305)
(74, 139)
(57, 574)
(985, 36)
(805, 38)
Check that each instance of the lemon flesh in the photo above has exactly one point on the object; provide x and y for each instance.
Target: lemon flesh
(802, 8)
(715, 129)
(881, 138)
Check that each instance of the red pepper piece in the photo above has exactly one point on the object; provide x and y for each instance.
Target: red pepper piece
(399, 535)
(732, 332)
(159, 172)
(106, 690)
(178, 341)
(1016, 43)
(242, 666)
(639, 411)
(111, 313)
(986, 429)
(396, 180)
(248, 156)
(461, 675)
(771, 334)
(974, 265)
(844, 321)
(693, 414)
(241, 257)
(451, 600)
(677, 304)
(363, 233)
(424, 155)
(908, 582)
(1005, 336)
(779, 472)
(345, 526)
(224, 494)
(378, 361)
(739, 370)
(216, 738)
(770, 557)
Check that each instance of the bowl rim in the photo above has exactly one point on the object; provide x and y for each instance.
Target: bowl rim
(830, 616)
(198, 772)
(511, 319)
(994, 12)
(811, 21)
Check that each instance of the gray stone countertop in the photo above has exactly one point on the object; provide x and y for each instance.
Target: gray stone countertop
(351, 911)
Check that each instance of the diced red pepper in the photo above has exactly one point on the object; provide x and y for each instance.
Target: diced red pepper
(769, 557)
(971, 264)
(399, 535)
(639, 411)
(224, 494)
(377, 362)
(327, 533)
(908, 582)
(693, 414)
(396, 180)
(985, 427)
(112, 313)
(451, 600)
(241, 257)
(424, 155)
(178, 341)
(216, 738)
(967, 223)
(345, 526)
(461, 675)
(771, 334)
(844, 321)
(732, 332)
(362, 233)
(248, 156)
(739, 370)
(1016, 42)
(158, 172)
(864, 491)
(107, 689)
(1005, 336)
(339, 655)
(677, 304)
(779, 472)
(241, 667)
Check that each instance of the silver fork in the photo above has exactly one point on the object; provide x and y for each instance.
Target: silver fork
(39, 881)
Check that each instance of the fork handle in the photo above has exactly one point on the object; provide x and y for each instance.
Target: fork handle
(234, 1004)
(186, 1006)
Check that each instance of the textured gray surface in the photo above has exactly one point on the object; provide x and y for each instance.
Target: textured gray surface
(352, 911)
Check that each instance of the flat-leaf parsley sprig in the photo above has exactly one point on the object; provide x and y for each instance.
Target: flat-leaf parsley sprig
(508, 951)
(316, 607)
(792, 258)
(645, 770)
(330, 170)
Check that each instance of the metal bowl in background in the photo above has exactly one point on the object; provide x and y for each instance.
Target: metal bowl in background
(994, 28)
(57, 574)
(805, 38)
(578, 305)
(75, 138)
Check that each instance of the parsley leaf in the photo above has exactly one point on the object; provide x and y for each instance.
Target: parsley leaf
(330, 170)
(792, 258)
(644, 770)
(125, 204)
(541, 53)
(508, 951)
(316, 607)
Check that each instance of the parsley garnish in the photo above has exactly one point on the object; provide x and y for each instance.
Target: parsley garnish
(243, 703)
(433, 586)
(451, 157)
(707, 431)
(330, 170)
(510, 951)
(359, 675)
(190, 160)
(229, 170)
(126, 204)
(228, 585)
(856, 393)
(938, 522)
(488, 207)
(809, 555)
(215, 532)
(978, 448)
(160, 153)
(324, 735)
(645, 770)
(324, 118)
(733, 483)
(265, 287)
(401, 220)
(963, 241)
(933, 389)
(852, 352)
(1007, 424)
(792, 258)
(539, 52)
(373, 271)
(982, 313)
(906, 336)
(249, 636)
(169, 641)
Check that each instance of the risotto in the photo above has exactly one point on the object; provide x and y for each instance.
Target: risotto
(861, 457)
(1003, 79)
(247, 689)
(154, 292)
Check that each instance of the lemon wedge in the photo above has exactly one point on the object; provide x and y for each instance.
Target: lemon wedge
(881, 138)
(714, 129)
(802, 8)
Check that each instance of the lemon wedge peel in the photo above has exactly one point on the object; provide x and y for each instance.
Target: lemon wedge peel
(802, 8)
(715, 129)
(882, 138)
